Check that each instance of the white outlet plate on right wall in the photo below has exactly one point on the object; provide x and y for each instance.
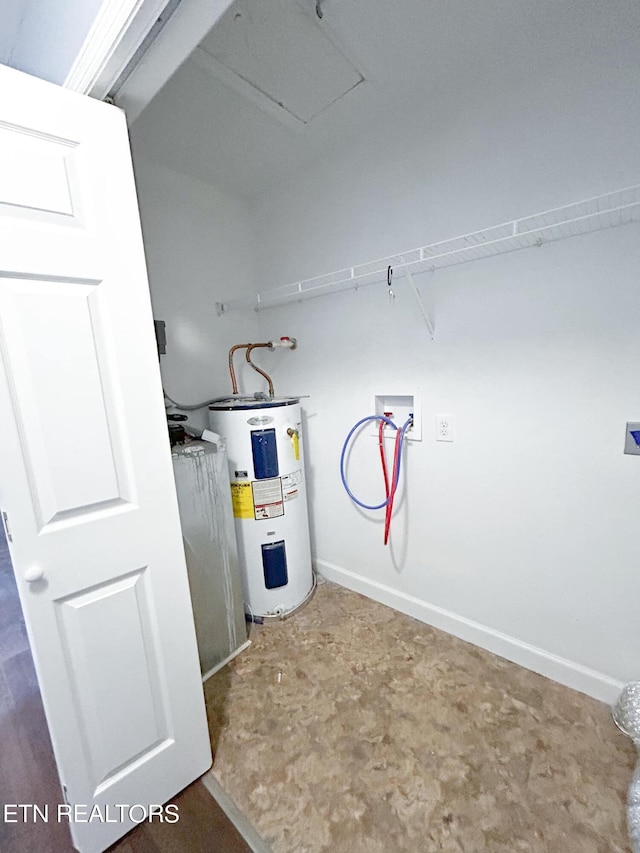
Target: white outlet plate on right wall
(630, 444)
(444, 427)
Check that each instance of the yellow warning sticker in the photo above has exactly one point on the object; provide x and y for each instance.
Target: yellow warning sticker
(242, 500)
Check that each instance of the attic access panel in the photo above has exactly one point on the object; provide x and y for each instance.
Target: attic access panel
(284, 55)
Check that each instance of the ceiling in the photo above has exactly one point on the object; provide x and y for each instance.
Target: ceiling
(255, 103)
(276, 54)
(12, 13)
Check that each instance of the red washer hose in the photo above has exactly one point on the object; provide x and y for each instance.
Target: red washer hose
(394, 485)
(382, 456)
(390, 488)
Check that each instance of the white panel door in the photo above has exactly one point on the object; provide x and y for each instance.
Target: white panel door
(85, 471)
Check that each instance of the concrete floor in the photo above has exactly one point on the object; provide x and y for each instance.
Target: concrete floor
(352, 727)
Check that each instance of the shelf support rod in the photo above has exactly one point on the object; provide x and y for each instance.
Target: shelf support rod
(425, 316)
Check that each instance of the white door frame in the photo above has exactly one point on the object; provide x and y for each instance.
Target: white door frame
(120, 29)
(115, 35)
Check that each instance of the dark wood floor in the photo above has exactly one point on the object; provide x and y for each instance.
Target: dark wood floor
(28, 772)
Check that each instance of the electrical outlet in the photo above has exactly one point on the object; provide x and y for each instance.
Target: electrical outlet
(444, 428)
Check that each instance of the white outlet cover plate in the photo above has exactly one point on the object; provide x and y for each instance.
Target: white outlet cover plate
(630, 445)
(444, 427)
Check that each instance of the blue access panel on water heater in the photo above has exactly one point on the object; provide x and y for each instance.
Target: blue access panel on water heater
(274, 563)
(265, 453)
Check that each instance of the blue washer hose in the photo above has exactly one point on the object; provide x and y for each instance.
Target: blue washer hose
(357, 426)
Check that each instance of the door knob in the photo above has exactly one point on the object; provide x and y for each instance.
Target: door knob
(33, 574)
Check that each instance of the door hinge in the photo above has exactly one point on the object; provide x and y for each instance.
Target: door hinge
(5, 521)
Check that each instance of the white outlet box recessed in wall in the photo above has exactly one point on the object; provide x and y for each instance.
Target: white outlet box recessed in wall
(400, 406)
(444, 427)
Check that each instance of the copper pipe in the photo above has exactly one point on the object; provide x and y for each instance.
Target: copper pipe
(261, 372)
(232, 373)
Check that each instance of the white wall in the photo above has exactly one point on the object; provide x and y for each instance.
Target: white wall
(50, 36)
(523, 534)
(198, 247)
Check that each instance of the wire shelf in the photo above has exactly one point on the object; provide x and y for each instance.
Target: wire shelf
(583, 217)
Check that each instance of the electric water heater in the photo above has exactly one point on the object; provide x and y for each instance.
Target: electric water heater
(266, 468)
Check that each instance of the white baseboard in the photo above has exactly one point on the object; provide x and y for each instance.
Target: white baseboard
(237, 818)
(224, 662)
(566, 672)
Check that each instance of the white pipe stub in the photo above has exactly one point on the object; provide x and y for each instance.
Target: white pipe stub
(289, 343)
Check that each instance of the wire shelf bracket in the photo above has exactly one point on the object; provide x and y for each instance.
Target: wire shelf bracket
(583, 217)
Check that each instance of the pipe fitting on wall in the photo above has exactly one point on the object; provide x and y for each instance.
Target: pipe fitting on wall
(289, 343)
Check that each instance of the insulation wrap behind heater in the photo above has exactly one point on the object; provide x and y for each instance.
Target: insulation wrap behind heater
(200, 470)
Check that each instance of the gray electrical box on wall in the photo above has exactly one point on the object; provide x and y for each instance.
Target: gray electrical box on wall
(161, 336)
(632, 438)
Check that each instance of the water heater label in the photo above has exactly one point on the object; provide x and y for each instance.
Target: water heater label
(292, 479)
(290, 483)
(267, 498)
(242, 500)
